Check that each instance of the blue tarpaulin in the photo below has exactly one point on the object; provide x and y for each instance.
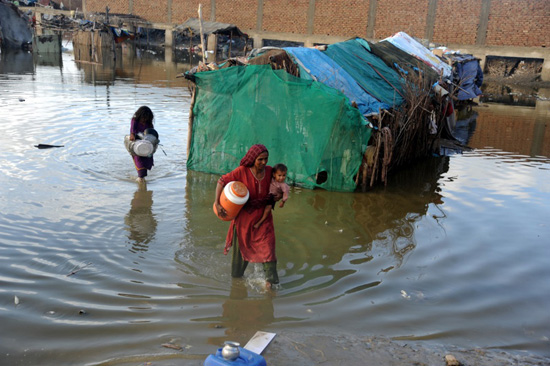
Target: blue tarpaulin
(328, 72)
(469, 76)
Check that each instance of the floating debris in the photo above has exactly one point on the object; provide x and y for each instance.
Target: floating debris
(451, 360)
(76, 269)
(46, 146)
(172, 346)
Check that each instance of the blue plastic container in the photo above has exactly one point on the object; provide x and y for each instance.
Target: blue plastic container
(246, 357)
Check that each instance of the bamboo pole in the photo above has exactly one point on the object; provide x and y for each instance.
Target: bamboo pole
(202, 36)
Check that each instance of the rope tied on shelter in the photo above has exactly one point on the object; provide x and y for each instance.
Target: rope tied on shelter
(388, 152)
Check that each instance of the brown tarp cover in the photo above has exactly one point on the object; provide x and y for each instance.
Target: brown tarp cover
(192, 25)
(392, 55)
(278, 59)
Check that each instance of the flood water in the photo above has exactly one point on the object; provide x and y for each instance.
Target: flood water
(96, 269)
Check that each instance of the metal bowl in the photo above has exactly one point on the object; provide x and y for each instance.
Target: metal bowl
(230, 350)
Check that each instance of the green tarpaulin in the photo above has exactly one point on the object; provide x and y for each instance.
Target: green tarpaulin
(368, 70)
(306, 125)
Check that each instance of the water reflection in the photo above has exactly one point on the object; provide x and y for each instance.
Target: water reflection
(520, 130)
(391, 218)
(508, 94)
(140, 222)
(466, 120)
(128, 62)
(242, 314)
(323, 237)
(16, 62)
(98, 67)
(48, 59)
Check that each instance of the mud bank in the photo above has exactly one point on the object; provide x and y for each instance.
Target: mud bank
(300, 349)
(349, 349)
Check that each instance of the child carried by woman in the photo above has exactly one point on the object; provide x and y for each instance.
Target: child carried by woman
(278, 189)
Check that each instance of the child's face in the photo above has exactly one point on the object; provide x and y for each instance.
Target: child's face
(279, 176)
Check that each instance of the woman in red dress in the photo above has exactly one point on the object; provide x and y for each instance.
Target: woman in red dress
(249, 244)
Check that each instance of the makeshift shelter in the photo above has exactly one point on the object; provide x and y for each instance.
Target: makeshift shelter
(213, 31)
(192, 26)
(310, 127)
(316, 109)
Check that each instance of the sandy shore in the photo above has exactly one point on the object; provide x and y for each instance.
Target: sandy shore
(346, 349)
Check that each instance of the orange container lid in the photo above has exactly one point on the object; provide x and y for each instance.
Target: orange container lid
(239, 189)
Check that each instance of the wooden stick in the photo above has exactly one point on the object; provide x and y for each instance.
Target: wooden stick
(386, 80)
(191, 119)
(382, 76)
(88, 62)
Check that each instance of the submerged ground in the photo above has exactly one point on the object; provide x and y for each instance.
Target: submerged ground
(449, 257)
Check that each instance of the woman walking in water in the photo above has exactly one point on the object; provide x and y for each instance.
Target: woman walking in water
(142, 120)
(251, 244)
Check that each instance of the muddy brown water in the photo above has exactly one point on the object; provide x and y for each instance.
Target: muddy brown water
(95, 269)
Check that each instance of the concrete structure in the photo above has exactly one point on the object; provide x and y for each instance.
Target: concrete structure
(522, 52)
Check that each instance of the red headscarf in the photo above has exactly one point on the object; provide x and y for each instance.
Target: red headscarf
(253, 153)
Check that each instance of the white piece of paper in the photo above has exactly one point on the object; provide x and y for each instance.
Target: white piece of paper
(259, 341)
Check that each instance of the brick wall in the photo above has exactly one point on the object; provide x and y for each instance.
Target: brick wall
(244, 13)
(457, 21)
(115, 7)
(185, 9)
(346, 18)
(156, 10)
(408, 16)
(288, 16)
(519, 23)
(511, 22)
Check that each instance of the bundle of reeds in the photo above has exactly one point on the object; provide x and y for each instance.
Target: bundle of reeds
(404, 135)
